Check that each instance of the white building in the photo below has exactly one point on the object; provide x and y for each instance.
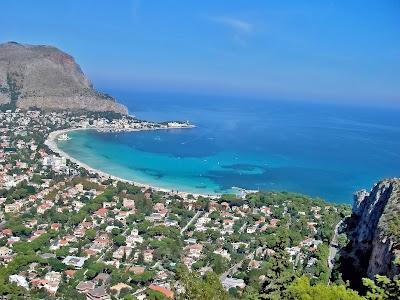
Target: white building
(74, 261)
(19, 280)
(228, 283)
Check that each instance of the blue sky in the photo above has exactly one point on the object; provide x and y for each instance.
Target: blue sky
(327, 50)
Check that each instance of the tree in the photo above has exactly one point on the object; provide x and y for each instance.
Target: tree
(56, 265)
(218, 263)
(155, 295)
(62, 252)
(342, 240)
(90, 234)
(321, 268)
(19, 229)
(90, 274)
(278, 269)
(129, 297)
(36, 178)
(35, 245)
(301, 289)
(197, 288)
(94, 268)
(119, 240)
(382, 288)
(115, 231)
(214, 215)
(250, 293)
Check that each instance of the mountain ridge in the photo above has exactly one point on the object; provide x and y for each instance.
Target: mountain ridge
(42, 76)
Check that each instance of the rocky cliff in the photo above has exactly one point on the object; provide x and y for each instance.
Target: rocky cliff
(47, 78)
(374, 232)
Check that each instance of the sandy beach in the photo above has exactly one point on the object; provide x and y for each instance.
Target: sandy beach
(52, 144)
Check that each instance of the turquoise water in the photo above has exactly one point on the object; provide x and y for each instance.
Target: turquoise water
(328, 151)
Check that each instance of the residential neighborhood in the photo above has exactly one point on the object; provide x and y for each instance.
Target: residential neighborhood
(67, 231)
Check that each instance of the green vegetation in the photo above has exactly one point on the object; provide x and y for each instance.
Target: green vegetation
(198, 288)
(383, 288)
(301, 289)
(13, 88)
(391, 221)
(22, 190)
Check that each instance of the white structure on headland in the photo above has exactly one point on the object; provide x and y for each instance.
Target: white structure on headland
(178, 124)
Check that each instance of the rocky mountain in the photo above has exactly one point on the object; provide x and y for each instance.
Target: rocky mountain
(373, 232)
(47, 78)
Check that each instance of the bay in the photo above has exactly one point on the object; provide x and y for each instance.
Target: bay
(323, 150)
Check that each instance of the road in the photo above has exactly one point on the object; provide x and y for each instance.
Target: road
(191, 221)
(333, 246)
(111, 246)
(234, 269)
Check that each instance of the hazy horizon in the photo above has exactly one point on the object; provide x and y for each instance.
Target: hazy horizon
(334, 52)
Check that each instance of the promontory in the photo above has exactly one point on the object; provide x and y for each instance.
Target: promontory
(44, 77)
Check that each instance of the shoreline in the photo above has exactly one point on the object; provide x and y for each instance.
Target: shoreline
(52, 144)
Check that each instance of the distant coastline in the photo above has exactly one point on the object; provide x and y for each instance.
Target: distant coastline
(51, 142)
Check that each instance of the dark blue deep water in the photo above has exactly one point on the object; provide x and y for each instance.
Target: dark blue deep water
(323, 150)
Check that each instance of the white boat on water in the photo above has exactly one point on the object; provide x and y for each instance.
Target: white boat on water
(63, 137)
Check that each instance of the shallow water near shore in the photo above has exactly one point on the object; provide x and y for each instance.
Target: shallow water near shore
(326, 151)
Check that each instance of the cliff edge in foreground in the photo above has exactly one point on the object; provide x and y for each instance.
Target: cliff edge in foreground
(36, 76)
(374, 232)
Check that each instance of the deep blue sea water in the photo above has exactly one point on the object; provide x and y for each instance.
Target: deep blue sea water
(323, 150)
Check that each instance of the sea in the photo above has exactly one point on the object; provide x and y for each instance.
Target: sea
(321, 149)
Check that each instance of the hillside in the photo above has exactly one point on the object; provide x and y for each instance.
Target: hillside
(47, 78)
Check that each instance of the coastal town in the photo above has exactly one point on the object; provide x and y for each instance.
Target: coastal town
(70, 232)
(200, 150)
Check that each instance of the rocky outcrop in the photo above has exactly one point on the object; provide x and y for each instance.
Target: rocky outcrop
(4, 99)
(374, 230)
(47, 78)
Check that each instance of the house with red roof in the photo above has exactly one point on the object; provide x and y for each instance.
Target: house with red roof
(166, 292)
(101, 213)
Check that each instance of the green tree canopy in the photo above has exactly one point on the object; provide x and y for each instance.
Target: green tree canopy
(301, 289)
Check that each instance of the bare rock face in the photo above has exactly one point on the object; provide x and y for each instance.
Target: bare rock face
(47, 78)
(4, 98)
(375, 231)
